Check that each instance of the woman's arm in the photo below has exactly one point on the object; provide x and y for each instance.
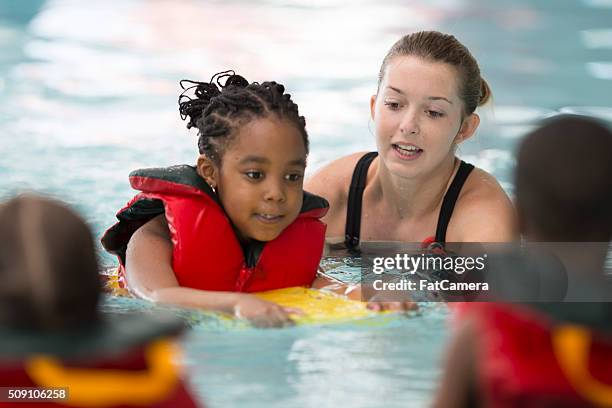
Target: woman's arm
(353, 292)
(150, 276)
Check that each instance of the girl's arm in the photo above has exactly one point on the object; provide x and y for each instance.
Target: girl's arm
(457, 388)
(150, 276)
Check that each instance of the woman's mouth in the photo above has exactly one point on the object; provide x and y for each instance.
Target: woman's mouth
(407, 151)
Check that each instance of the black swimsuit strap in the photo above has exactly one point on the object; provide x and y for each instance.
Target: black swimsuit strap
(450, 199)
(355, 197)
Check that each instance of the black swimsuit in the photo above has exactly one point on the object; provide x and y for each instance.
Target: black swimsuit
(358, 182)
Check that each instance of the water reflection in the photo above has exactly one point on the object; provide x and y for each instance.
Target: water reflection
(330, 365)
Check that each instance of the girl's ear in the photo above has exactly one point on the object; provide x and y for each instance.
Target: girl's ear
(468, 127)
(208, 171)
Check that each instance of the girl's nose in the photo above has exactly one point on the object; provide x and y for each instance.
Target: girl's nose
(275, 191)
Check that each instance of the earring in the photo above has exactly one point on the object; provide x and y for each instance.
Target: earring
(212, 186)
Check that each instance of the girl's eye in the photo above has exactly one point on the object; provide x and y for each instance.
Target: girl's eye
(294, 177)
(434, 114)
(392, 105)
(255, 175)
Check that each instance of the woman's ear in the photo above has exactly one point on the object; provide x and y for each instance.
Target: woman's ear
(208, 171)
(372, 106)
(468, 128)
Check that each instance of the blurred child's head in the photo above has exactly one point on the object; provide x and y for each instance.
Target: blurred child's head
(564, 183)
(48, 266)
(253, 146)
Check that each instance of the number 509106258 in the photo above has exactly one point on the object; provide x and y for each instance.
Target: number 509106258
(32, 394)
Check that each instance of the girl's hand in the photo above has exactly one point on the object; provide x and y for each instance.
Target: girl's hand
(262, 313)
(404, 306)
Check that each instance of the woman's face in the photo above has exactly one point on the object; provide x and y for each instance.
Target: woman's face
(418, 116)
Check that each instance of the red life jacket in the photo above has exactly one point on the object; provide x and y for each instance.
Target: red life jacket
(207, 254)
(524, 360)
(124, 381)
(128, 361)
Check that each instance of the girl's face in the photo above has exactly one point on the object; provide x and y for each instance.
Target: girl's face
(260, 178)
(418, 116)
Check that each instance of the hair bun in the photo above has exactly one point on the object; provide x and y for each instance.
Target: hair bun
(485, 92)
(236, 80)
(206, 91)
(190, 107)
(231, 79)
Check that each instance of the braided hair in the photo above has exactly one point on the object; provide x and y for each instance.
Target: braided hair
(218, 109)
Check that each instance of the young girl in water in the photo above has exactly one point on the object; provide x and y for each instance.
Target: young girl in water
(237, 222)
(414, 188)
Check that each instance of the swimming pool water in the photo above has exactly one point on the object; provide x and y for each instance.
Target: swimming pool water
(382, 361)
(88, 92)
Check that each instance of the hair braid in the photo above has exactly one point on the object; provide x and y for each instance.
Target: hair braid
(219, 109)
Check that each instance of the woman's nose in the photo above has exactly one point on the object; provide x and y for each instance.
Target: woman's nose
(410, 123)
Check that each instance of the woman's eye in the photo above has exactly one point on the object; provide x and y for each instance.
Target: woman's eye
(392, 105)
(434, 114)
(294, 177)
(255, 175)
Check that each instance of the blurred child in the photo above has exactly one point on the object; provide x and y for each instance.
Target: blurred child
(51, 333)
(506, 355)
(237, 222)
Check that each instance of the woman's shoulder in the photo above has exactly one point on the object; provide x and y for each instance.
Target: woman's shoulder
(481, 184)
(332, 182)
(483, 212)
(334, 177)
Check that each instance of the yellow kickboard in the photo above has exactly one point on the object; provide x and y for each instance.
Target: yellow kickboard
(318, 306)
